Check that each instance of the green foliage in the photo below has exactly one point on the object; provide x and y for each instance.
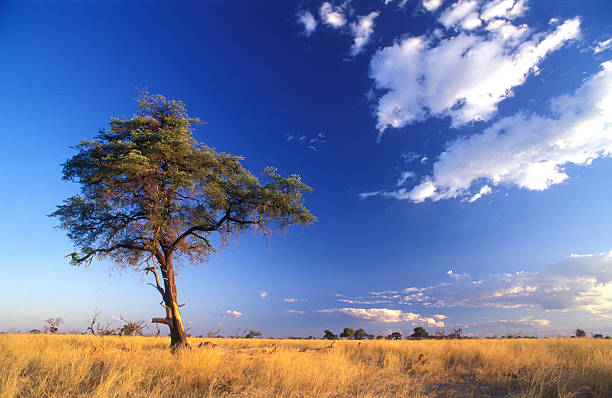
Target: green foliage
(329, 335)
(361, 334)
(253, 334)
(348, 333)
(149, 188)
(580, 333)
(394, 336)
(419, 333)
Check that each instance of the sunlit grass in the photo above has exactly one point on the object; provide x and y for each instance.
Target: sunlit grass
(80, 366)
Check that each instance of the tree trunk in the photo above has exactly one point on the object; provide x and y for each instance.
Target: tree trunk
(178, 337)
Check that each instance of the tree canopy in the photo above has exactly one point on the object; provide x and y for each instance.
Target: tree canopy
(152, 196)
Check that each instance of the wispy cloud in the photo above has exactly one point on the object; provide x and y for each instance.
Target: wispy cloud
(312, 143)
(263, 295)
(603, 46)
(581, 282)
(297, 312)
(384, 315)
(308, 21)
(294, 300)
(235, 314)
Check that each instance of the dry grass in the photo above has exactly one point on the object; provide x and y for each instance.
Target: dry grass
(86, 366)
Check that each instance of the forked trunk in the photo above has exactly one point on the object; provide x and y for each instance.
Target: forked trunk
(178, 337)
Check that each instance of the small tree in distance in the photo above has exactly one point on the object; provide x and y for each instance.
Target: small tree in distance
(348, 333)
(252, 334)
(54, 324)
(395, 336)
(152, 197)
(329, 335)
(580, 333)
(419, 333)
(361, 334)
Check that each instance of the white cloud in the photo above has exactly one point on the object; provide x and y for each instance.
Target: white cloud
(263, 295)
(578, 283)
(332, 16)
(365, 195)
(529, 321)
(295, 300)
(528, 151)
(298, 312)
(603, 45)
(463, 76)
(362, 30)
(404, 176)
(463, 12)
(581, 283)
(432, 5)
(485, 190)
(508, 9)
(308, 21)
(384, 315)
(235, 314)
(401, 4)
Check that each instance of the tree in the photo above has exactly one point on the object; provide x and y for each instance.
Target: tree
(252, 334)
(152, 199)
(580, 333)
(329, 335)
(54, 324)
(419, 333)
(132, 328)
(348, 333)
(395, 336)
(361, 334)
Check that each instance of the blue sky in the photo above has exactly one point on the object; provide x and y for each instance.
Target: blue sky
(458, 152)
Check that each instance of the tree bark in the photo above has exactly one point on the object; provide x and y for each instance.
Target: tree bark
(178, 337)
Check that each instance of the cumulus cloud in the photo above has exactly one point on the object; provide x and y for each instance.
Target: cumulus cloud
(465, 74)
(528, 151)
(295, 300)
(384, 315)
(235, 314)
(432, 5)
(578, 283)
(263, 295)
(362, 30)
(582, 282)
(308, 21)
(331, 15)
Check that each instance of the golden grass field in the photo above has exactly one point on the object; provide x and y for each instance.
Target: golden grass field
(92, 366)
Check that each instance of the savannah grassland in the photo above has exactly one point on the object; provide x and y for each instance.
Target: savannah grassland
(86, 366)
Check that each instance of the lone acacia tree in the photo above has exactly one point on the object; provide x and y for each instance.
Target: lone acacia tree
(153, 199)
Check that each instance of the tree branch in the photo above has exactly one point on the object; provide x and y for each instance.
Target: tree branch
(88, 257)
(158, 287)
(201, 228)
